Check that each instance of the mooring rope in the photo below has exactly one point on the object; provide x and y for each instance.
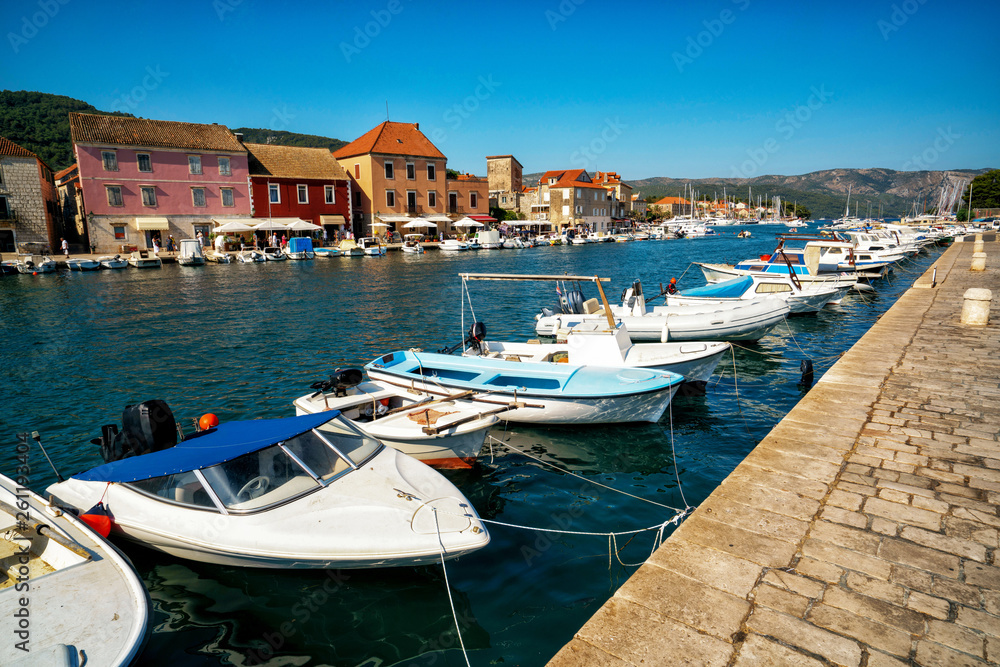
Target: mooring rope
(447, 587)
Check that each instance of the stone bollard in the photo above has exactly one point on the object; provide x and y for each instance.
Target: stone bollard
(978, 245)
(978, 261)
(976, 307)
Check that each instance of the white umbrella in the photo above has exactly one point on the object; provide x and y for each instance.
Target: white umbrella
(270, 225)
(468, 222)
(303, 226)
(232, 228)
(419, 222)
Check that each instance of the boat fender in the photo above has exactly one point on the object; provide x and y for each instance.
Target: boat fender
(98, 518)
(207, 421)
(664, 333)
(806, 367)
(547, 312)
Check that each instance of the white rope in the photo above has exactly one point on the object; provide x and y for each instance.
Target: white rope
(447, 587)
(673, 451)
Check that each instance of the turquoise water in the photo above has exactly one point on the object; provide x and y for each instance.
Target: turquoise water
(243, 341)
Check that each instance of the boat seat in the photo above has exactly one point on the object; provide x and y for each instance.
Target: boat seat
(591, 306)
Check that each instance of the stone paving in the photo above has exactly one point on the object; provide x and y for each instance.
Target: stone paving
(862, 531)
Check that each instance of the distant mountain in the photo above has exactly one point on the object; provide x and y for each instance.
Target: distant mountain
(281, 138)
(822, 192)
(40, 123)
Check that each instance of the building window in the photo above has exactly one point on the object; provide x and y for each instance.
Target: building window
(390, 198)
(432, 198)
(331, 197)
(194, 164)
(357, 199)
(148, 195)
(274, 195)
(388, 170)
(119, 232)
(225, 169)
(431, 172)
(303, 194)
(110, 160)
(503, 200)
(565, 210)
(411, 201)
(411, 171)
(145, 164)
(4, 209)
(198, 196)
(579, 193)
(204, 229)
(579, 210)
(357, 170)
(227, 197)
(1, 175)
(473, 200)
(115, 195)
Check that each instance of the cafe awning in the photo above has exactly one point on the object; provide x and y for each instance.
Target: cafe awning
(150, 223)
(482, 218)
(393, 218)
(437, 217)
(332, 220)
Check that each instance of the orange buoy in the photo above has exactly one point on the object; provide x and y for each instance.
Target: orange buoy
(207, 421)
(98, 519)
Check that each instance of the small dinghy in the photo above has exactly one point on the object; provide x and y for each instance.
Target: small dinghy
(371, 247)
(411, 243)
(79, 597)
(800, 297)
(300, 247)
(83, 264)
(32, 264)
(442, 432)
(272, 254)
(301, 492)
(219, 257)
(327, 252)
(116, 262)
(250, 256)
(349, 248)
(142, 259)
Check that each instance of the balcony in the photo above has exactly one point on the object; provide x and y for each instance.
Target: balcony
(456, 209)
(414, 209)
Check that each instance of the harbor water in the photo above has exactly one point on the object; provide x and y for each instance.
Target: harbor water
(242, 341)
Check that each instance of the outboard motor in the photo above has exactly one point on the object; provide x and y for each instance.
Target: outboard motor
(341, 380)
(477, 334)
(634, 300)
(146, 427)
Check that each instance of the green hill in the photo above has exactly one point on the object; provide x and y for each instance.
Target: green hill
(255, 135)
(40, 123)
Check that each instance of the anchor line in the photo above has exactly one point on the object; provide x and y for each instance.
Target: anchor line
(447, 588)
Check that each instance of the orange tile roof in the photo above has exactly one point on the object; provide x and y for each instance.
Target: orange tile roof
(392, 139)
(124, 131)
(67, 170)
(293, 162)
(470, 177)
(667, 201)
(8, 147)
(560, 174)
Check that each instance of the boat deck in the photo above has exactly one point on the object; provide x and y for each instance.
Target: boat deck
(863, 530)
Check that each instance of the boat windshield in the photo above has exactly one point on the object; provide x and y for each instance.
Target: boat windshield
(183, 488)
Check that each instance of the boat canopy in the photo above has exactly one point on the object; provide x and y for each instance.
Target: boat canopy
(727, 289)
(223, 443)
(300, 244)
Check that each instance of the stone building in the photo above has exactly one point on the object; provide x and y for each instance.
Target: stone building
(504, 174)
(619, 193)
(70, 200)
(28, 207)
(569, 198)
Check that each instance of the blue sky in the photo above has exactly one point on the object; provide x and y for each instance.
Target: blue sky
(681, 89)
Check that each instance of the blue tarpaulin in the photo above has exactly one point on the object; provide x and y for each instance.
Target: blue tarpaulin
(225, 442)
(727, 289)
(300, 244)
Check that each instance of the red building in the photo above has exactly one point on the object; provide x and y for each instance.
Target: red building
(293, 182)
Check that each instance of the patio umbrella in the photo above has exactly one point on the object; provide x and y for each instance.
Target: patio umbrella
(419, 222)
(232, 228)
(468, 222)
(269, 225)
(303, 226)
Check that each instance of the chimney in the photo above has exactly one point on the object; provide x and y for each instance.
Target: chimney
(416, 126)
(239, 136)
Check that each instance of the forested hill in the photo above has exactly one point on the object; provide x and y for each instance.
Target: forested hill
(255, 135)
(40, 123)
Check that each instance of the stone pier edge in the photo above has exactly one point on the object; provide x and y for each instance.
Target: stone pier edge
(783, 562)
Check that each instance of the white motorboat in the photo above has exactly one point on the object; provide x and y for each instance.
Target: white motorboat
(371, 247)
(219, 257)
(515, 242)
(32, 264)
(488, 239)
(113, 262)
(300, 247)
(327, 252)
(250, 256)
(80, 599)
(801, 297)
(143, 259)
(190, 253)
(411, 244)
(453, 245)
(441, 432)
(83, 264)
(744, 321)
(302, 492)
(272, 254)
(349, 248)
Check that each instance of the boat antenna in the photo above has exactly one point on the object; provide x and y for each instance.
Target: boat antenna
(38, 439)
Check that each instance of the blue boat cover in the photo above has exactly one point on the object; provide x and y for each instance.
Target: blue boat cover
(727, 289)
(299, 244)
(225, 442)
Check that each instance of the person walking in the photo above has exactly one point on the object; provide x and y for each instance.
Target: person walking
(65, 247)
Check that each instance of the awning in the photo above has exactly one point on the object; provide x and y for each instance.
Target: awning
(332, 220)
(437, 217)
(393, 218)
(482, 218)
(149, 223)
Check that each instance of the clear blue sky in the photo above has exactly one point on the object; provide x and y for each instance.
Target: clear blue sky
(681, 89)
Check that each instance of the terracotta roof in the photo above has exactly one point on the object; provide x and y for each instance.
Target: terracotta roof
(294, 162)
(8, 147)
(64, 172)
(392, 139)
(123, 131)
(564, 175)
(667, 201)
(470, 177)
(608, 177)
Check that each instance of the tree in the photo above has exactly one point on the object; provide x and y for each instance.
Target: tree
(451, 174)
(985, 191)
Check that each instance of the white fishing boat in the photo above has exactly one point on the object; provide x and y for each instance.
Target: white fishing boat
(371, 246)
(300, 247)
(83, 264)
(488, 239)
(273, 254)
(143, 259)
(250, 256)
(190, 253)
(327, 252)
(801, 297)
(302, 492)
(113, 262)
(453, 245)
(32, 264)
(219, 257)
(411, 244)
(742, 321)
(349, 248)
(80, 598)
(441, 432)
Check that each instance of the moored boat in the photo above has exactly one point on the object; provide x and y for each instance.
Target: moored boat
(349, 248)
(32, 264)
(327, 252)
(300, 247)
(801, 298)
(191, 253)
(113, 262)
(83, 264)
(454, 245)
(273, 254)
(250, 256)
(143, 259)
(371, 247)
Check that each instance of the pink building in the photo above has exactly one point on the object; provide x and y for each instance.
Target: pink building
(145, 179)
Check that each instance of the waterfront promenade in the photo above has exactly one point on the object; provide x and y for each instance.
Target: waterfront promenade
(863, 530)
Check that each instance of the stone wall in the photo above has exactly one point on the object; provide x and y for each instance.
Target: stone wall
(31, 217)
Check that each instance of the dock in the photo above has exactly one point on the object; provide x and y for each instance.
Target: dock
(862, 531)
